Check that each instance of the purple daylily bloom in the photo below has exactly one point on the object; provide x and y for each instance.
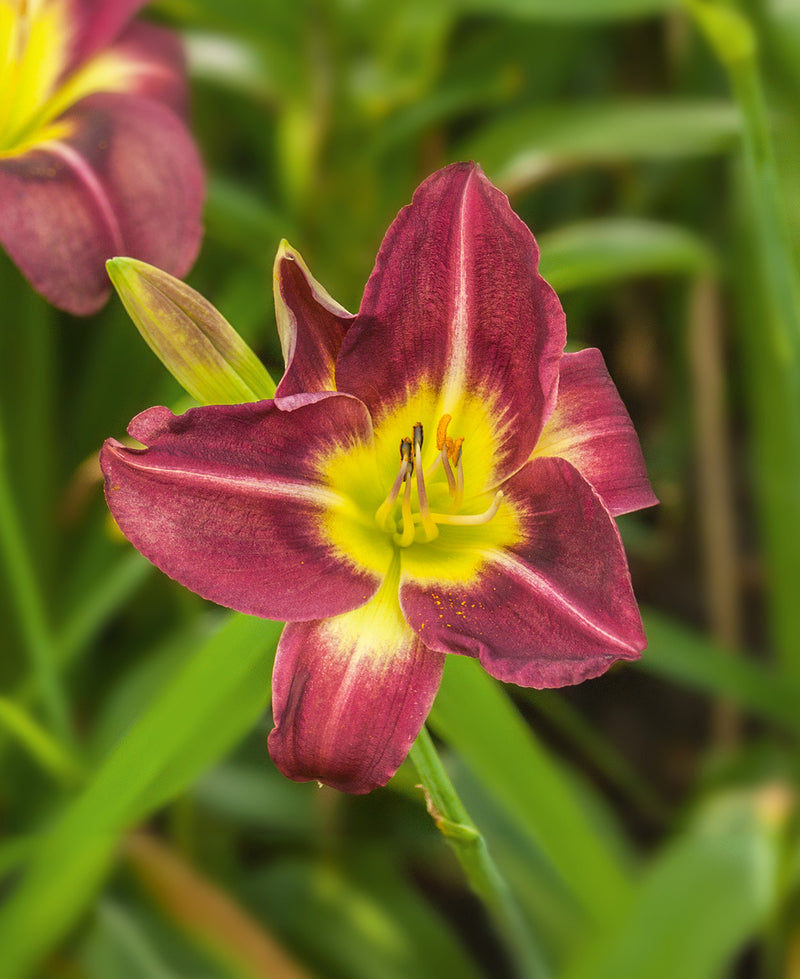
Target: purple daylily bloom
(489, 534)
(95, 156)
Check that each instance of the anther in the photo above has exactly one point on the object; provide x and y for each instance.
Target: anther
(441, 431)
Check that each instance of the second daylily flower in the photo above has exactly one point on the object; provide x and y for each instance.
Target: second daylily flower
(95, 157)
(433, 476)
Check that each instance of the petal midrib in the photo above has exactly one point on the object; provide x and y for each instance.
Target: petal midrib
(539, 582)
(295, 490)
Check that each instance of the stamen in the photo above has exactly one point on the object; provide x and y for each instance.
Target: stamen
(470, 520)
(406, 468)
(441, 431)
(459, 494)
(429, 529)
(448, 471)
(406, 538)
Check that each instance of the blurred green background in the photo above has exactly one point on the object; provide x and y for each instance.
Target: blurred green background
(646, 822)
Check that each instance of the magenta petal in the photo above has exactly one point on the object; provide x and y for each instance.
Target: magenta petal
(556, 609)
(229, 501)
(311, 327)
(348, 705)
(127, 182)
(158, 64)
(455, 299)
(591, 429)
(95, 23)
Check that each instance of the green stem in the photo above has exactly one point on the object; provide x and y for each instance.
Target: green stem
(774, 347)
(469, 846)
(30, 607)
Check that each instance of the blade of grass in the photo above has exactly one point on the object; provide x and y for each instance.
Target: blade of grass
(686, 657)
(775, 356)
(703, 897)
(212, 700)
(613, 249)
(528, 146)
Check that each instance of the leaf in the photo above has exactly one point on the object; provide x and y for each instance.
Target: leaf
(529, 145)
(368, 922)
(703, 897)
(200, 713)
(598, 252)
(568, 10)
(475, 717)
(689, 658)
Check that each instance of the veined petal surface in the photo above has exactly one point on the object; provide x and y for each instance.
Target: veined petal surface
(556, 608)
(229, 501)
(126, 181)
(591, 428)
(350, 695)
(311, 326)
(455, 303)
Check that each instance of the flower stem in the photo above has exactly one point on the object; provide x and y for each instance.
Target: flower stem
(30, 607)
(775, 355)
(469, 846)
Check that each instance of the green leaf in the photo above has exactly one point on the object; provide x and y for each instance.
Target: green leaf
(475, 717)
(198, 716)
(529, 145)
(702, 899)
(568, 10)
(598, 252)
(368, 922)
(687, 657)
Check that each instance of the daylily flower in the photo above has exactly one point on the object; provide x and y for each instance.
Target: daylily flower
(95, 157)
(489, 532)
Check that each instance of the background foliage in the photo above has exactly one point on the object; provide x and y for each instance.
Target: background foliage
(646, 823)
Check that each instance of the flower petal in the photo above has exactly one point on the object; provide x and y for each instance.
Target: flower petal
(591, 429)
(95, 23)
(456, 302)
(555, 609)
(228, 500)
(311, 325)
(128, 181)
(150, 61)
(350, 695)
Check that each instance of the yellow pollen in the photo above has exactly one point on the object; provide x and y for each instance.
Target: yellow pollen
(441, 431)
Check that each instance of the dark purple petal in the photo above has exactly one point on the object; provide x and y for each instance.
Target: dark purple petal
(455, 300)
(557, 608)
(230, 501)
(591, 429)
(311, 326)
(95, 24)
(128, 181)
(350, 695)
